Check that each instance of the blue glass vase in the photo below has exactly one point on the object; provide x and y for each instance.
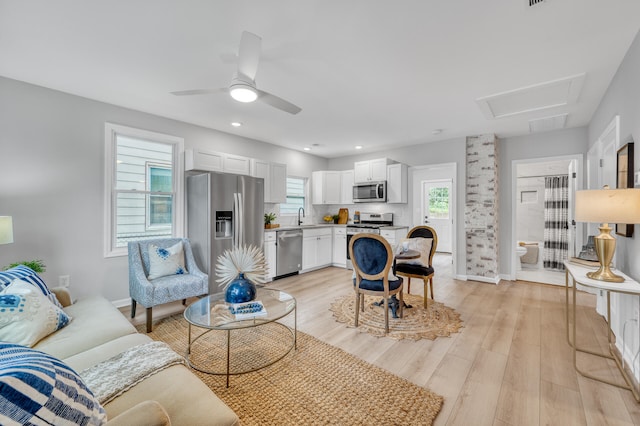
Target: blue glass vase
(240, 290)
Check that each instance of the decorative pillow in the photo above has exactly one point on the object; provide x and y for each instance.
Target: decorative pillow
(38, 389)
(166, 261)
(423, 245)
(26, 315)
(29, 275)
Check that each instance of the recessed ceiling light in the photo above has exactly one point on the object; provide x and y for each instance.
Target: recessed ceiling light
(306, 148)
(436, 131)
(358, 146)
(236, 123)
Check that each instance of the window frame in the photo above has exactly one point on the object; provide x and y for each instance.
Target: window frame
(306, 196)
(111, 133)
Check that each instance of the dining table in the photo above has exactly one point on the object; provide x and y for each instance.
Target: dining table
(394, 303)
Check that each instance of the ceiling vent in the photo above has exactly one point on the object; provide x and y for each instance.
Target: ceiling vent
(531, 3)
(547, 124)
(550, 94)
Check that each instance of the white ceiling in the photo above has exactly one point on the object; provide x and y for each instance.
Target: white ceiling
(373, 73)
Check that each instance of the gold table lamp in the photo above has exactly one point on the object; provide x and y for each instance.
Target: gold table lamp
(607, 206)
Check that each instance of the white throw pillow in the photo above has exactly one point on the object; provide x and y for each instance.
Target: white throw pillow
(27, 315)
(166, 261)
(423, 245)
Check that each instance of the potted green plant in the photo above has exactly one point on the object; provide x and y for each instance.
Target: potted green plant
(37, 265)
(268, 218)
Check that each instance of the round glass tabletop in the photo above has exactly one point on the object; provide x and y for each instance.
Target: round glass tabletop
(213, 312)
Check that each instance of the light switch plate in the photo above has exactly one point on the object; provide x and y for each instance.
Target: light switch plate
(636, 179)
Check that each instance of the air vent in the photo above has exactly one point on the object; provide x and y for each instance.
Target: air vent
(547, 124)
(532, 3)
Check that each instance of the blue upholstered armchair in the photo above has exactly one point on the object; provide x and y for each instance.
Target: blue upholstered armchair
(372, 259)
(179, 284)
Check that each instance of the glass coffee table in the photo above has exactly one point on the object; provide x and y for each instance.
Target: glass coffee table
(212, 313)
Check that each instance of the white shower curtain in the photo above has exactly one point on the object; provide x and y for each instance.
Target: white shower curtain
(556, 225)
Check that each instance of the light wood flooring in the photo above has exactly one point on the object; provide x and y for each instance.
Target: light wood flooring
(509, 365)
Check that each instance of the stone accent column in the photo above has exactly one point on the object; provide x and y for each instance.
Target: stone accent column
(481, 208)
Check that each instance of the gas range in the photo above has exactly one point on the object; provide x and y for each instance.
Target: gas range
(370, 223)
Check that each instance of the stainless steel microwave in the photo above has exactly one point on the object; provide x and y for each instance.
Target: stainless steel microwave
(370, 192)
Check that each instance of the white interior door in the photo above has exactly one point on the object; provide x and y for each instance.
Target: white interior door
(436, 211)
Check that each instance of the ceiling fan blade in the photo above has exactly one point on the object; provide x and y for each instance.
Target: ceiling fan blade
(249, 54)
(199, 92)
(277, 102)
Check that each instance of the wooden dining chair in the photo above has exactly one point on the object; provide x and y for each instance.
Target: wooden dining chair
(372, 259)
(421, 268)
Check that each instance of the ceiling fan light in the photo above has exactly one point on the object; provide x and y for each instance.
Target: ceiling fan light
(243, 93)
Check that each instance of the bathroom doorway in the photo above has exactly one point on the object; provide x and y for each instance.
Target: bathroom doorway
(544, 232)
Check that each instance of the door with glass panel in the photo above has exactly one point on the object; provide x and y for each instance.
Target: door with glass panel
(436, 211)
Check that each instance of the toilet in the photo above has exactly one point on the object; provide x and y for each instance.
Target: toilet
(520, 251)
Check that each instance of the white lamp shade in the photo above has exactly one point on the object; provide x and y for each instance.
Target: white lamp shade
(608, 206)
(6, 230)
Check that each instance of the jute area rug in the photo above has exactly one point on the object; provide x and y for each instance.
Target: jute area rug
(316, 384)
(417, 323)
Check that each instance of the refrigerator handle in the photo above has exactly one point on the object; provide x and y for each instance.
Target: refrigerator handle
(235, 219)
(241, 223)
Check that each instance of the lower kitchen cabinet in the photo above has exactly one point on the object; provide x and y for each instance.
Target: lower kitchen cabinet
(316, 248)
(394, 236)
(270, 254)
(339, 247)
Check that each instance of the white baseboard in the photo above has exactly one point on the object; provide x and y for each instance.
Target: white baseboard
(507, 277)
(121, 303)
(489, 280)
(461, 277)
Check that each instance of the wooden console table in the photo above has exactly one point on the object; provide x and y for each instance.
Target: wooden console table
(578, 275)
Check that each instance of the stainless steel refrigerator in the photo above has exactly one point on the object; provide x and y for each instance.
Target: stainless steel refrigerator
(223, 211)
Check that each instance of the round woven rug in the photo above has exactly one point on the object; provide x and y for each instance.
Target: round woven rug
(417, 323)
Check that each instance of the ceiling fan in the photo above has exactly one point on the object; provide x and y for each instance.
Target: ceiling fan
(243, 86)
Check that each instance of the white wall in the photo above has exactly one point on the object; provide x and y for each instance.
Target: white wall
(530, 212)
(623, 98)
(51, 179)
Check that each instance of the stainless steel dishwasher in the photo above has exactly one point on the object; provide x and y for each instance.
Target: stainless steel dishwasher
(288, 252)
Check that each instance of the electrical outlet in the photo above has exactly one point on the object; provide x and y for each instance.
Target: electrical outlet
(63, 280)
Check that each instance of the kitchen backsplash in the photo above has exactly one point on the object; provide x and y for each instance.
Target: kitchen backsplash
(401, 212)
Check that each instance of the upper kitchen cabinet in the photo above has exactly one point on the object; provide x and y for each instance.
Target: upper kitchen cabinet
(325, 187)
(397, 183)
(275, 179)
(370, 170)
(211, 161)
(346, 187)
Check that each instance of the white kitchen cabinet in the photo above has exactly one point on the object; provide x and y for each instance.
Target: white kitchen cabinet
(346, 187)
(394, 235)
(397, 183)
(370, 170)
(270, 253)
(316, 248)
(275, 179)
(339, 257)
(236, 164)
(211, 161)
(325, 187)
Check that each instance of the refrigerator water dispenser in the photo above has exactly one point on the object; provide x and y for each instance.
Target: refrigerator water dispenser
(224, 224)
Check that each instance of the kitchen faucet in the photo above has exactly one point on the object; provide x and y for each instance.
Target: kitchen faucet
(299, 221)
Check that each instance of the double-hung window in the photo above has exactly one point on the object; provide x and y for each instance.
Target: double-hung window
(296, 196)
(143, 187)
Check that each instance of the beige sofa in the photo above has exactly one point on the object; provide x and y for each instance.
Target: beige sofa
(174, 395)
